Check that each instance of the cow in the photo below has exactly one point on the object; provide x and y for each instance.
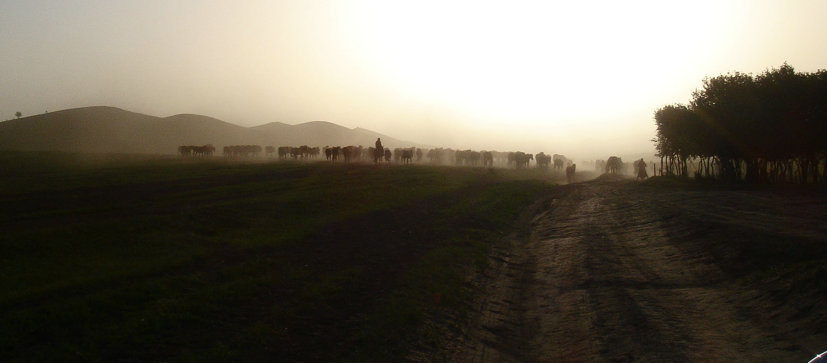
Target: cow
(487, 159)
(407, 156)
(559, 162)
(435, 155)
(185, 150)
(284, 152)
(334, 153)
(205, 150)
(613, 165)
(349, 153)
(520, 159)
(543, 160)
(600, 165)
(570, 170)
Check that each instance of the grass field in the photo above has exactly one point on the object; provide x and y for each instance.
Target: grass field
(140, 258)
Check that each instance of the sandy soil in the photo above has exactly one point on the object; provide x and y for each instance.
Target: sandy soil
(625, 271)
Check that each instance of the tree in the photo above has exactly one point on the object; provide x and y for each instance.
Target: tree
(18, 114)
(766, 128)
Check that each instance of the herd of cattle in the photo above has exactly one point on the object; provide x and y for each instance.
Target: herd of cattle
(448, 156)
(439, 156)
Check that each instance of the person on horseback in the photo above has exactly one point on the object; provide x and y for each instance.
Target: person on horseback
(641, 170)
(379, 152)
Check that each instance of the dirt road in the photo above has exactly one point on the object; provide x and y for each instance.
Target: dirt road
(621, 271)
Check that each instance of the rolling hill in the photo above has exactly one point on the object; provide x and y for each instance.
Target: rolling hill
(103, 129)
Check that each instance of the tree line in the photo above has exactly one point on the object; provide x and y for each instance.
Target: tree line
(768, 128)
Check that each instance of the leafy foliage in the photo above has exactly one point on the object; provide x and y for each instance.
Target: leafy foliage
(766, 128)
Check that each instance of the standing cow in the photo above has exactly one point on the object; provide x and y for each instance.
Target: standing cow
(570, 170)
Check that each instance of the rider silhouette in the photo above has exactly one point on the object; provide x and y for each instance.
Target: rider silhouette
(641, 170)
(379, 152)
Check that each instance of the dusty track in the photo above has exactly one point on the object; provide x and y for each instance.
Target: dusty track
(627, 272)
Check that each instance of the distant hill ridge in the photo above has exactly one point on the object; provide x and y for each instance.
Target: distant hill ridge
(109, 129)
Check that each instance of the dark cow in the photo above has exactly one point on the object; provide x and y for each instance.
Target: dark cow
(349, 153)
(600, 165)
(559, 162)
(407, 156)
(520, 159)
(613, 165)
(570, 170)
(192, 150)
(334, 153)
(487, 159)
(284, 152)
(435, 155)
(543, 160)
(185, 150)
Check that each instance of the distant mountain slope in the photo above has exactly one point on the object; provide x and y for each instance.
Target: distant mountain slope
(110, 129)
(323, 133)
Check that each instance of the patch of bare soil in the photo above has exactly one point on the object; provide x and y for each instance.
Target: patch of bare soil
(625, 271)
(606, 177)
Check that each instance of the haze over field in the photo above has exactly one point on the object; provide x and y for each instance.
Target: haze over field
(582, 79)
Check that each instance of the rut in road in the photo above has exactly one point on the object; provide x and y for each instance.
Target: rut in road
(605, 277)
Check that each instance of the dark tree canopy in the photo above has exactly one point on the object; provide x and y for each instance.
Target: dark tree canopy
(766, 128)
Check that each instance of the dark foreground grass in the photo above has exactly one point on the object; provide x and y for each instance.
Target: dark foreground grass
(135, 258)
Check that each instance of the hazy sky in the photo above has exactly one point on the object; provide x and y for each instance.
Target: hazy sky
(581, 78)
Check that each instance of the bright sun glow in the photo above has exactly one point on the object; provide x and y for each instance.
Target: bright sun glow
(497, 61)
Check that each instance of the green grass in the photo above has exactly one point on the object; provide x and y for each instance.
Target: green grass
(141, 258)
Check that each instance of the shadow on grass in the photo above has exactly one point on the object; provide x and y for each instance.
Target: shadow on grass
(203, 261)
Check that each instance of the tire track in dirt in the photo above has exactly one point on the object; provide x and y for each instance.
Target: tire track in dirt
(602, 277)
